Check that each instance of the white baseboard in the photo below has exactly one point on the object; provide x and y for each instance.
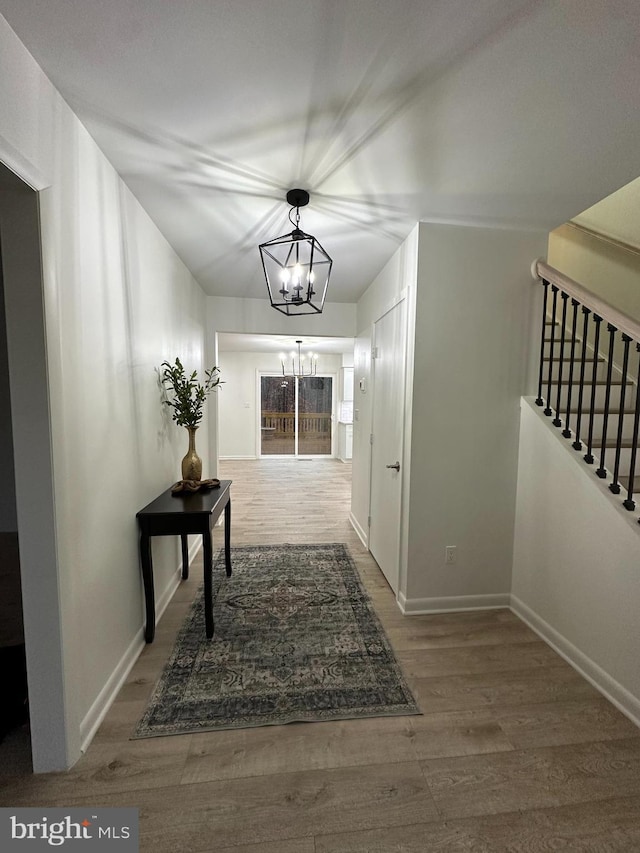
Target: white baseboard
(163, 601)
(359, 530)
(98, 710)
(231, 458)
(452, 604)
(611, 689)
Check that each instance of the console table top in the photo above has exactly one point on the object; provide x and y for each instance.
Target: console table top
(186, 503)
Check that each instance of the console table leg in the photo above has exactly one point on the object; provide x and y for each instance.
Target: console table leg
(207, 550)
(147, 579)
(227, 537)
(185, 556)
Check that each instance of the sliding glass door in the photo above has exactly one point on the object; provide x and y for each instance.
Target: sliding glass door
(277, 416)
(296, 415)
(315, 406)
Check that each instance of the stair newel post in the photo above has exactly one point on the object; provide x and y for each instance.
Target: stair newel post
(615, 485)
(602, 471)
(629, 503)
(566, 432)
(588, 458)
(557, 422)
(548, 411)
(539, 400)
(577, 444)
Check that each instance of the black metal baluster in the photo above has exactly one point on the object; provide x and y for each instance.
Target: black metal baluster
(557, 421)
(615, 485)
(566, 432)
(629, 503)
(588, 458)
(548, 412)
(545, 284)
(602, 471)
(577, 444)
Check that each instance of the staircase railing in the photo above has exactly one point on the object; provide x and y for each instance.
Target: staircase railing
(593, 395)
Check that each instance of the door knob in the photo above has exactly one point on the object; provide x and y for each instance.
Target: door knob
(396, 466)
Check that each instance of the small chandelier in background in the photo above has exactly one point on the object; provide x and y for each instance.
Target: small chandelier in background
(296, 267)
(299, 365)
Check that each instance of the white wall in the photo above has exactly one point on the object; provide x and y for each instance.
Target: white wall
(117, 301)
(575, 565)
(256, 316)
(237, 430)
(238, 398)
(397, 277)
(471, 354)
(468, 341)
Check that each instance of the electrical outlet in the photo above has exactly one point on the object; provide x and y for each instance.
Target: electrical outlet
(450, 554)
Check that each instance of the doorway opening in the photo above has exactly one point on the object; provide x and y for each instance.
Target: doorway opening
(263, 413)
(296, 416)
(14, 714)
(54, 736)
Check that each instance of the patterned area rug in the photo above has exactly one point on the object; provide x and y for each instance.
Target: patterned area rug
(296, 639)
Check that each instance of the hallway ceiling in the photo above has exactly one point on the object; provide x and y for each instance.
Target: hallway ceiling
(508, 113)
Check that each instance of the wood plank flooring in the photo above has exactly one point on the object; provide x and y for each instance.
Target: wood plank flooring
(514, 750)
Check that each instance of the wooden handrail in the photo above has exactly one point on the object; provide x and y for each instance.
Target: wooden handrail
(599, 306)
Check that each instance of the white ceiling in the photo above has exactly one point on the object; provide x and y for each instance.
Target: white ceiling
(500, 112)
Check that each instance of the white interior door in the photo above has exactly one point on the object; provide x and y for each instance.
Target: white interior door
(388, 370)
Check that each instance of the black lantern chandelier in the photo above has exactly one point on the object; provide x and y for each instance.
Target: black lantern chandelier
(296, 267)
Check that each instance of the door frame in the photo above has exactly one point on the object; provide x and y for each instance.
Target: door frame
(55, 731)
(334, 413)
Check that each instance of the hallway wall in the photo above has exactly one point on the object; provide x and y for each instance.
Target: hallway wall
(471, 365)
(467, 366)
(256, 316)
(398, 277)
(117, 301)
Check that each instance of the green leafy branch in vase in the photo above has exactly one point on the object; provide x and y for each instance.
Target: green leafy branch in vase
(189, 394)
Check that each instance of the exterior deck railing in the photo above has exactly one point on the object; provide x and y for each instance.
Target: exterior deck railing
(285, 423)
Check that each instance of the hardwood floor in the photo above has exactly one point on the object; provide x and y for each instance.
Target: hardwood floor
(514, 750)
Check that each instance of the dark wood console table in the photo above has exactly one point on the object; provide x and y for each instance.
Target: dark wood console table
(179, 515)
